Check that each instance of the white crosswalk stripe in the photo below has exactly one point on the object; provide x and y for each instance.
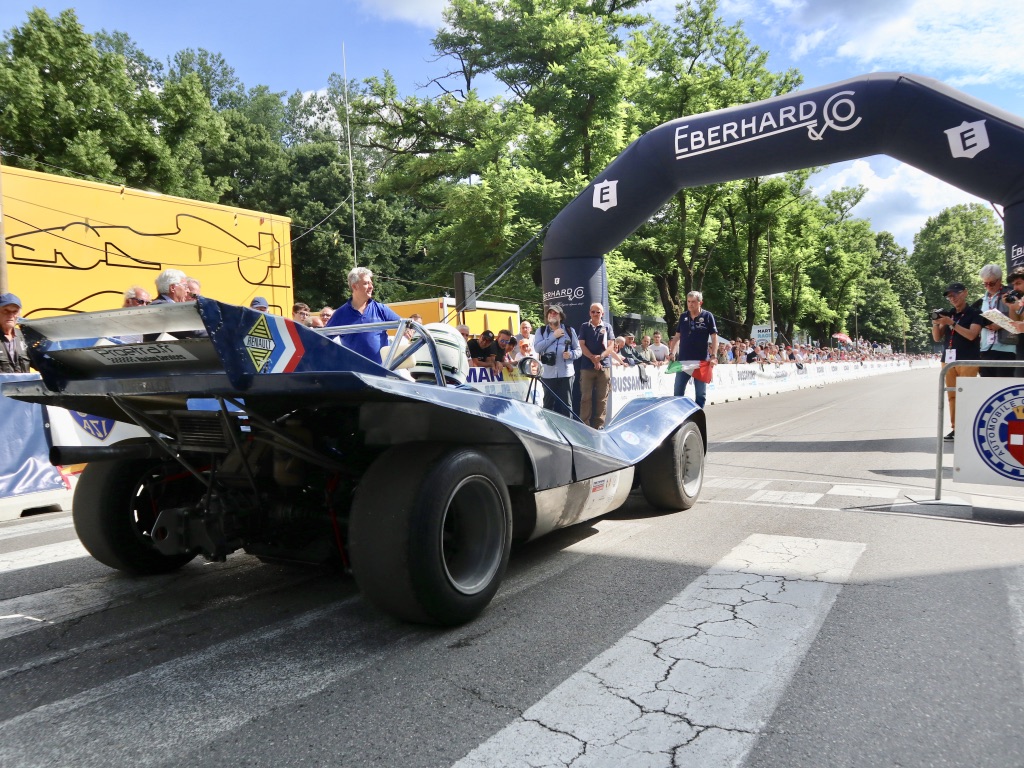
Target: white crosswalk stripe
(44, 555)
(785, 497)
(696, 682)
(39, 526)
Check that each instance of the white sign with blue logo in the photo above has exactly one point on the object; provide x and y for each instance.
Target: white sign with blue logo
(989, 445)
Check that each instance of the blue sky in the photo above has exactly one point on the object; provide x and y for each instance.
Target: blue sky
(972, 45)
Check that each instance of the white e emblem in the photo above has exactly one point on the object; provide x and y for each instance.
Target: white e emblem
(968, 139)
(604, 195)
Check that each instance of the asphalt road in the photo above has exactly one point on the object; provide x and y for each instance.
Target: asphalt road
(808, 611)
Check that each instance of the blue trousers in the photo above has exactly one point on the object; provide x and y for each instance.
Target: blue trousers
(700, 388)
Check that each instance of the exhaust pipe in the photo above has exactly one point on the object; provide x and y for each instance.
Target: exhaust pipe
(63, 455)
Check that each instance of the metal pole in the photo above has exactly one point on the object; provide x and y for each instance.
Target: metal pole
(3, 242)
(771, 287)
(351, 172)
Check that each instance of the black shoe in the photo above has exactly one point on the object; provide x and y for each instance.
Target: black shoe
(950, 435)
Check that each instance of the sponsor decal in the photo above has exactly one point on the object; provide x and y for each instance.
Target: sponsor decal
(968, 139)
(273, 345)
(483, 376)
(1016, 255)
(999, 433)
(94, 426)
(564, 294)
(839, 112)
(605, 195)
(259, 343)
(137, 354)
(631, 382)
(630, 437)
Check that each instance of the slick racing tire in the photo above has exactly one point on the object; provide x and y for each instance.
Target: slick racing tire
(429, 533)
(116, 504)
(672, 475)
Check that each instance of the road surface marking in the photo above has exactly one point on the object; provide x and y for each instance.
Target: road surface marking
(739, 483)
(61, 604)
(45, 555)
(870, 491)
(40, 526)
(696, 682)
(786, 497)
(202, 695)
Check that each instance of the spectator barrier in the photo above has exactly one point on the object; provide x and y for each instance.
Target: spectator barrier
(24, 452)
(731, 382)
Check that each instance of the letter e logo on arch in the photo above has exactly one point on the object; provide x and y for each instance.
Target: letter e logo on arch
(605, 195)
(968, 139)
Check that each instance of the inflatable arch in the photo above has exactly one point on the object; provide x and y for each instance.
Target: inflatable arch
(920, 121)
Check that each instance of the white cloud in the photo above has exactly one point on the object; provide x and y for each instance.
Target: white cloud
(900, 198)
(964, 41)
(422, 13)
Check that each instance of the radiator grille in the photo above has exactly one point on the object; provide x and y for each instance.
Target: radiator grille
(202, 431)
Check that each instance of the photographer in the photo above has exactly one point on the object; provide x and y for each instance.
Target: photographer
(996, 343)
(1014, 300)
(959, 331)
(557, 347)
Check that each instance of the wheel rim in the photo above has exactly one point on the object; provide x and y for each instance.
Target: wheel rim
(157, 490)
(473, 535)
(692, 463)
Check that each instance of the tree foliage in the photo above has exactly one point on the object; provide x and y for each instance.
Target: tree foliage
(459, 181)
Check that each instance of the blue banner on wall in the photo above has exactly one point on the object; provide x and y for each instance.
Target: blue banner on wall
(24, 454)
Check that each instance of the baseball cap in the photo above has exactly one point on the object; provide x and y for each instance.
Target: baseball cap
(955, 288)
(259, 301)
(487, 335)
(9, 298)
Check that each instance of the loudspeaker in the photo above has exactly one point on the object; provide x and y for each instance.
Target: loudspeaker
(465, 291)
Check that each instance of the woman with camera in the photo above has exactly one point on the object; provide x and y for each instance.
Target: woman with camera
(557, 347)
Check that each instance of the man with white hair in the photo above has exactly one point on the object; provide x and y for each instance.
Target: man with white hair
(136, 296)
(171, 287)
(362, 309)
(996, 344)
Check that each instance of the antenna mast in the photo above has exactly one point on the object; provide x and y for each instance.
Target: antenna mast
(351, 172)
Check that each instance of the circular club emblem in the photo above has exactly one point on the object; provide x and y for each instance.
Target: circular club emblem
(999, 433)
(631, 438)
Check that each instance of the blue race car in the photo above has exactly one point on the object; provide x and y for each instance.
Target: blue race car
(262, 435)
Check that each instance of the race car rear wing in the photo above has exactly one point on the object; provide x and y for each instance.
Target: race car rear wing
(204, 336)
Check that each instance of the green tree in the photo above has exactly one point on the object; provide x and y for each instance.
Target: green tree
(708, 238)
(70, 106)
(953, 246)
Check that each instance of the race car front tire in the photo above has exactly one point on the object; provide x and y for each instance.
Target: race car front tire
(672, 475)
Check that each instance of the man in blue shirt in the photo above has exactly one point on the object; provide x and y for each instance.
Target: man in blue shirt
(696, 328)
(361, 309)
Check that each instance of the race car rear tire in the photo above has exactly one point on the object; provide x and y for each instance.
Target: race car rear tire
(116, 503)
(429, 533)
(672, 475)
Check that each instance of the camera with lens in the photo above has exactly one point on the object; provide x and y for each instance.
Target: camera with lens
(1012, 297)
(935, 314)
(548, 358)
